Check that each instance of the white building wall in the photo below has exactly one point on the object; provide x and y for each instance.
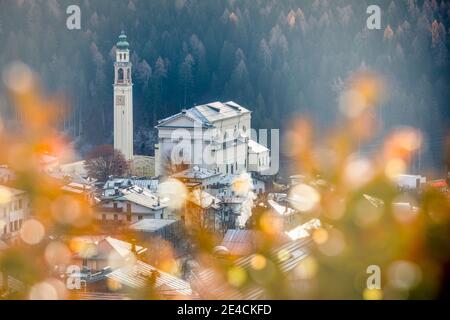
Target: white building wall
(232, 159)
(12, 216)
(123, 120)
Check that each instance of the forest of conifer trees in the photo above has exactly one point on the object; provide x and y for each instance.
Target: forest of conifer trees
(278, 58)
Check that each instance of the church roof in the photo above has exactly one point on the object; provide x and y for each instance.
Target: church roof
(208, 114)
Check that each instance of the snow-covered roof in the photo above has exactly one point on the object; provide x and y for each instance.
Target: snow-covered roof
(303, 230)
(117, 182)
(151, 184)
(12, 191)
(203, 199)
(141, 196)
(195, 172)
(294, 251)
(280, 209)
(209, 113)
(151, 225)
(104, 247)
(138, 275)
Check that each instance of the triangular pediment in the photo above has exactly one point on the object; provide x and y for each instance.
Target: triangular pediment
(179, 120)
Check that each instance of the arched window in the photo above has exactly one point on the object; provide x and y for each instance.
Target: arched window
(129, 75)
(120, 75)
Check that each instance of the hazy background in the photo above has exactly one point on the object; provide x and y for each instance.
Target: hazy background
(279, 58)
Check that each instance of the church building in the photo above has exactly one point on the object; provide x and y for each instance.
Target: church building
(215, 136)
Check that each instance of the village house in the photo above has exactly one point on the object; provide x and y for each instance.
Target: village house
(145, 278)
(198, 177)
(14, 210)
(131, 204)
(6, 174)
(149, 229)
(203, 211)
(96, 253)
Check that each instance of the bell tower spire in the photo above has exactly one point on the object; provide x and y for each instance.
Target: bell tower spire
(123, 99)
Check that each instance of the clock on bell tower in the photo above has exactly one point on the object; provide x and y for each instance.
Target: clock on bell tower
(123, 99)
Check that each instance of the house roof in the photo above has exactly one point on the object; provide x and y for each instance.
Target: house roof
(141, 196)
(117, 182)
(137, 276)
(151, 184)
(104, 248)
(208, 114)
(80, 295)
(150, 225)
(195, 172)
(239, 242)
(441, 183)
(12, 191)
(303, 230)
(207, 284)
(280, 209)
(203, 199)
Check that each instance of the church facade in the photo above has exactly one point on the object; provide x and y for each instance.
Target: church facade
(215, 136)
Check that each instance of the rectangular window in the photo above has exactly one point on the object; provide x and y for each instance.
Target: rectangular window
(116, 217)
(20, 204)
(140, 217)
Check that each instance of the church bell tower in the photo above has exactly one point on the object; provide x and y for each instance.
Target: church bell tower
(123, 99)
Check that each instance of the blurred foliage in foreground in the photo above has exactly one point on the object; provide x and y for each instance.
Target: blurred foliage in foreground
(353, 195)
